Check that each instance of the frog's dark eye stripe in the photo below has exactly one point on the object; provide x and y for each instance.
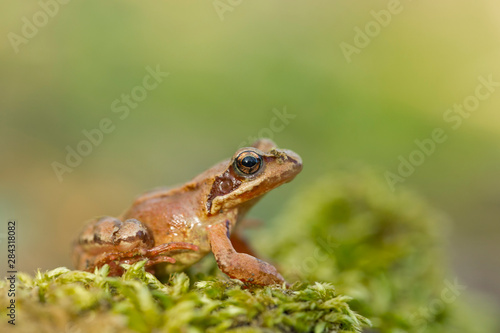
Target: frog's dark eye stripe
(248, 162)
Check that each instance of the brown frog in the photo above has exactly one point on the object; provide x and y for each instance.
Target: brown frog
(174, 228)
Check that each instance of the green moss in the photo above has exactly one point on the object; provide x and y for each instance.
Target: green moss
(62, 299)
(384, 249)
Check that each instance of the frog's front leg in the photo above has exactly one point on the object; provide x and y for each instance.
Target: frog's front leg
(240, 266)
(108, 240)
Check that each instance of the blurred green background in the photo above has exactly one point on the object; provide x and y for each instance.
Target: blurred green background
(230, 65)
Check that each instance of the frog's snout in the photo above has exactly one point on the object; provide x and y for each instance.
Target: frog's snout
(294, 158)
(286, 156)
(295, 163)
(288, 162)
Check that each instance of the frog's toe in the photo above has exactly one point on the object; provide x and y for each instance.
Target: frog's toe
(160, 259)
(169, 247)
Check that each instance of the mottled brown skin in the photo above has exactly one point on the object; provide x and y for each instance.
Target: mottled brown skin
(174, 228)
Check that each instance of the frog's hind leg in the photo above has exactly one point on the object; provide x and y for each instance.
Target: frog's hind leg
(107, 240)
(106, 237)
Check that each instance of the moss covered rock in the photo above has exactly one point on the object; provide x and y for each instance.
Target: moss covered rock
(65, 300)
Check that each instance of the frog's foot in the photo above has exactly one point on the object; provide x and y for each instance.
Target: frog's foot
(153, 256)
(240, 266)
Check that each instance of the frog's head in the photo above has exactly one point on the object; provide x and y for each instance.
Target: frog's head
(252, 172)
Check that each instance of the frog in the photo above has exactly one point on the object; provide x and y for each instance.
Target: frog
(173, 228)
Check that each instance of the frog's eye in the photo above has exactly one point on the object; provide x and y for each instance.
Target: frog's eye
(248, 162)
